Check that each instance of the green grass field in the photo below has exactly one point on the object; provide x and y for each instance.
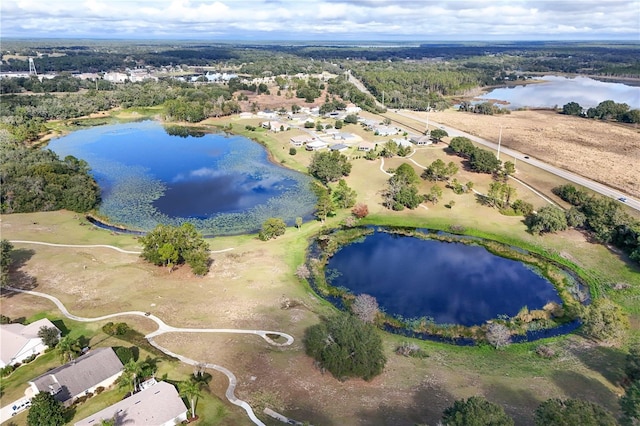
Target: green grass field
(247, 285)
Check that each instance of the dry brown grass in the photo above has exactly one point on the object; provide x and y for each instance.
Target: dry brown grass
(605, 152)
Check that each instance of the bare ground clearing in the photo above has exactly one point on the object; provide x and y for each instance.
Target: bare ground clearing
(605, 152)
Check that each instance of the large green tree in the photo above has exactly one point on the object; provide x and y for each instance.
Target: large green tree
(483, 161)
(630, 405)
(344, 197)
(547, 219)
(556, 412)
(346, 346)
(161, 245)
(272, 228)
(329, 166)
(475, 411)
(438, 170)
(572, 108)
(45, 411)
(401, 190)
(606, 321)
(5, 260)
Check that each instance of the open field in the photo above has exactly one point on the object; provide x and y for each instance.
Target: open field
(605, 152)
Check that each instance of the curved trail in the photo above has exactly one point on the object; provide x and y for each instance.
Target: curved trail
(42, 243)
(165, 328)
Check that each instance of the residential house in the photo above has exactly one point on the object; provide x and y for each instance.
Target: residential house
(385, 130)
(97, 368)
(366, 146)
(157, 405)
(116, 77)
(421, 140)
(18, 342)
(275, 126)
(315, 146)
(344, 136)
(403, 142)
(352, 109)
(301, 140)
(339, 147)
(267, 113)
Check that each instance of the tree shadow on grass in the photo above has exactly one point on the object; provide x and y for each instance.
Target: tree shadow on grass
(17, 277)
(304, 413)
(605, 360)
(520, 404)
(579, 386)
(425, 406)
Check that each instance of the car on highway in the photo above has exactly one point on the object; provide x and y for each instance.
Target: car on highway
(623, 199)
(526, 157)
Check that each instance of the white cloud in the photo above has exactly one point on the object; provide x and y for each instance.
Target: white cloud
(304, 19)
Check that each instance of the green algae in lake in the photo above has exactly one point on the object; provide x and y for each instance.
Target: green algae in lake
(221, 183)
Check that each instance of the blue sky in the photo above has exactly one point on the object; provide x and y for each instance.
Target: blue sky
(390, 20)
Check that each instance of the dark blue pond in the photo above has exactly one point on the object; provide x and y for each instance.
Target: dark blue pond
(451, 283)
(221, 183)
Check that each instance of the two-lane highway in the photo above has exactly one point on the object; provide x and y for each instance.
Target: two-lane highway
(572, 177)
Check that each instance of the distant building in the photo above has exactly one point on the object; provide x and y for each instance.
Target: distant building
(421, 140)
(352, 109)
(116, 77)
(339, 147)
(386, 130)
(315, 146)
(18, 342)
(97, 368)
(366, 146)
(301, 140)
(275, 126)
(157, 405)
(345, 136)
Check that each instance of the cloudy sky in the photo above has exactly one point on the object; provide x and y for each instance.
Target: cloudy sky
(390, 20)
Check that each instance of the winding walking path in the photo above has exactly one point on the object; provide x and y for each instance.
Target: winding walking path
(42, 243)
(165, 328)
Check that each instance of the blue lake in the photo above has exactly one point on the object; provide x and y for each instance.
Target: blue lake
(452, 283)
(556, 90)
(221, 183)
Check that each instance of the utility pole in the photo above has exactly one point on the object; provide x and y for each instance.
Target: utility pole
(499, 141)
(426, 132)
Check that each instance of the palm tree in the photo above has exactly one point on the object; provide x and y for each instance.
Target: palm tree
(66, 347)
(130, 374)
(190, 389)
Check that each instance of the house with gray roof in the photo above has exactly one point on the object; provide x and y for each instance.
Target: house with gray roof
(97, 368)
(157, 405)
(18, 342)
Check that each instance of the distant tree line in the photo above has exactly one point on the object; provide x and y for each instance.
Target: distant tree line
(37, 180)
(25, 116)
(484, 108)
(606, 110)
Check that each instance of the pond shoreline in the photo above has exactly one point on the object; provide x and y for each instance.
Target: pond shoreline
(523, 329)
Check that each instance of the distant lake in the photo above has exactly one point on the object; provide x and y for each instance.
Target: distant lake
(555, 90)
(223, 184)
(452, 283)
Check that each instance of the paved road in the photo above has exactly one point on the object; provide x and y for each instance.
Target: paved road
(572, 177)
(165, 328)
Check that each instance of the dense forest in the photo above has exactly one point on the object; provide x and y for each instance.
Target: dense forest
(37, 180)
